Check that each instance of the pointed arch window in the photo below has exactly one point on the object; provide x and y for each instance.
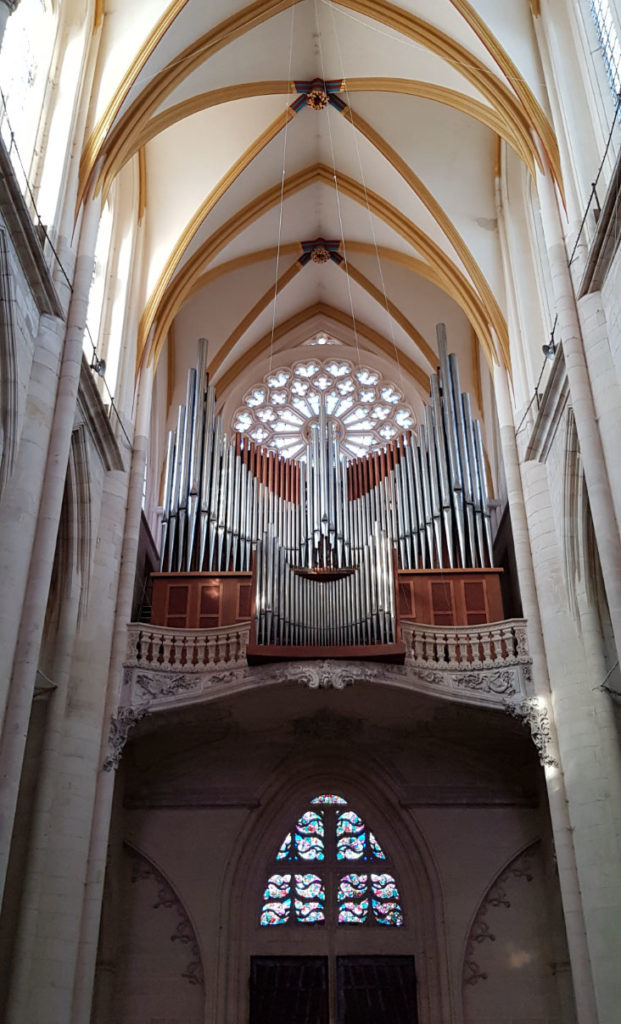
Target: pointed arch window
(331, 838)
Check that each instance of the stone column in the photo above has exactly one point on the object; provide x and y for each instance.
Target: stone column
(590, 755)
(43, 823)
(557, 798)
(19, 508)
(26, 659)
(597, 481)
(47, 988)
(89, 932)
(6, 9)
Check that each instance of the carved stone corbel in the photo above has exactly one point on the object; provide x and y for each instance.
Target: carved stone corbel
(120, 726)
(537, 718)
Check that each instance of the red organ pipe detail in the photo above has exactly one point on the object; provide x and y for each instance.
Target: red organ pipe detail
(326, 533)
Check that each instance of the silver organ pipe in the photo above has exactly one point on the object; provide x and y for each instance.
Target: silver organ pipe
(422, 502)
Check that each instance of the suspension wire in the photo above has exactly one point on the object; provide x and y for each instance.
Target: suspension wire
(389, 316)
(338, 198)
(280, 211)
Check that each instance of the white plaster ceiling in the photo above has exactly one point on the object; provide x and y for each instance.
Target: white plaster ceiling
(430, 165)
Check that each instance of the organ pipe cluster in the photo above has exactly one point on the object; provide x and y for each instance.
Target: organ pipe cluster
(230, 504)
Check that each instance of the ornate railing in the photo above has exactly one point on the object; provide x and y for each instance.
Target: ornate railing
(192, 650)
(466, 648)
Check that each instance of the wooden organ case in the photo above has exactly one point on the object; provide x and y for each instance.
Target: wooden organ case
(327, 555)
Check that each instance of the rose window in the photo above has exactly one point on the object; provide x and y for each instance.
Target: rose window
(367, 411)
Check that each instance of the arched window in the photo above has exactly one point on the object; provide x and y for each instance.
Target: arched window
(24, 61)
(330, 838)
(607, 33)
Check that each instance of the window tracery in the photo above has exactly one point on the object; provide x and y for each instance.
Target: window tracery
(367, 410)
(611, 48)
(329, 835)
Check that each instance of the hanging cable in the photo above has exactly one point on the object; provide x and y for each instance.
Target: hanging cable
(280, 212)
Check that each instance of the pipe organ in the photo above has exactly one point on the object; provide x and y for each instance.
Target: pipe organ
(325, 536)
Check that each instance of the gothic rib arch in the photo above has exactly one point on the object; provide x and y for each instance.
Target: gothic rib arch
(334, 315)
(516, 106)
(486, 115)
(272, 293)
(350, 246)
(173, 290)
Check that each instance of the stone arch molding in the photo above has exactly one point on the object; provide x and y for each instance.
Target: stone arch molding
(9, 390)
(144, 868)
(372, 793)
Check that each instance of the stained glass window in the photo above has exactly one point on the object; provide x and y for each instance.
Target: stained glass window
(306, 843)
(353, 842)
(366, 410)
(327, 833)
(328, 798)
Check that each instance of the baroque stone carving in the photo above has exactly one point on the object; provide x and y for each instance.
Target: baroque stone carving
(500, 681)
(533, 714)
(163, 687)
(496, 896)
(120, 726)
(166, 897)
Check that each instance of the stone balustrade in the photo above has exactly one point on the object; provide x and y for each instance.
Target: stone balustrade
(466, 648)
(193, 650)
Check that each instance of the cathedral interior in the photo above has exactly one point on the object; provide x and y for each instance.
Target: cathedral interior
(310, 507)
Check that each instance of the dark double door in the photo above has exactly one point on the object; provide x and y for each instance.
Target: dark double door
(369, 990)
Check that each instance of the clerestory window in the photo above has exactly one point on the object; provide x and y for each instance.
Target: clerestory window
(313, 883)
(25, 58)
(609, 40)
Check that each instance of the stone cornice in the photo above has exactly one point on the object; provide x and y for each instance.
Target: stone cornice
(606, 241)
(551, 411)
(25, 239)
(96, 420)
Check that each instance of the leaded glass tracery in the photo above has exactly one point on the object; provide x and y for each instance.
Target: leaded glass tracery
(609, 40)
(330, 835)
(367, 410)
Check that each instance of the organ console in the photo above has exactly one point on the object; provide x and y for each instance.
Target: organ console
(328, 539)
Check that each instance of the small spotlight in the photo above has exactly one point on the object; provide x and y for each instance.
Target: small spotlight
(549, 351)
(99, 366)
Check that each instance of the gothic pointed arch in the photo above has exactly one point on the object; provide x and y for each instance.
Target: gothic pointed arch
(330, 837)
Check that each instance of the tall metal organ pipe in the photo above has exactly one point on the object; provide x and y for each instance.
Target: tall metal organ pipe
(424, 497)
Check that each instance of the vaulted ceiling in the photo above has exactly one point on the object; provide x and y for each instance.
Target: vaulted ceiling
(391, 155)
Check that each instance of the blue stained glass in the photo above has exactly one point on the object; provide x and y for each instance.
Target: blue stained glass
(285, 850)
(275, 913)
(277, 887)
(354, 913)
(388, 914)
(310, 887)
(311, 824)
(351, 847)
(376, 849)
(309, 836)
(328, 798)
(348, 823)
(384, 887)
(309, 847)
(309, 913)
(352, 886)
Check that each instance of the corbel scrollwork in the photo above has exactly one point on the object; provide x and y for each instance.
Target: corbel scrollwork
(120, 726)
(536, 716)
